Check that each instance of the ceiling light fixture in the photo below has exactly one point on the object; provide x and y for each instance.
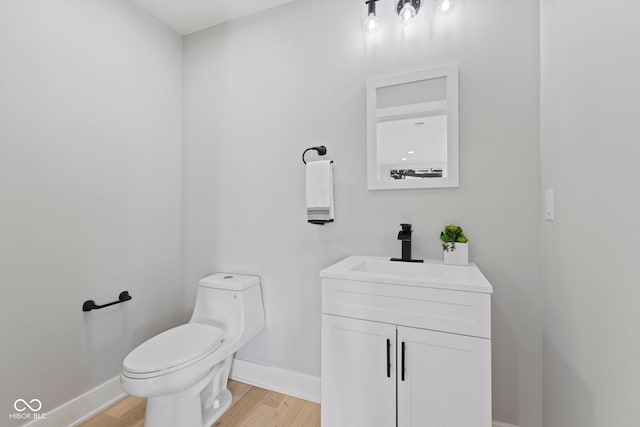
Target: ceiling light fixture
(406, 10)
(371, 22)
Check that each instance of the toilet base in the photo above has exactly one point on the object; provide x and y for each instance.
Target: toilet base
(198, 406)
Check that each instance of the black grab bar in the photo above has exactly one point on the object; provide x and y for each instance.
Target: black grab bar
(91, 304)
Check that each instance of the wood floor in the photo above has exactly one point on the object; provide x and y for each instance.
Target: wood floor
(251, 407)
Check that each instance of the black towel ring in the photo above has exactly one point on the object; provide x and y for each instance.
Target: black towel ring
(322, 150)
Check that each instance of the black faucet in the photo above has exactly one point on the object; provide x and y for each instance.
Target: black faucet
(405, 236)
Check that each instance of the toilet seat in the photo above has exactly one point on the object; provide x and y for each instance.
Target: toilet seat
(172, 350)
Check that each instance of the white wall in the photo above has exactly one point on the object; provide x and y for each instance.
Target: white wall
(590, 91)
(260, 90)
(90, 129)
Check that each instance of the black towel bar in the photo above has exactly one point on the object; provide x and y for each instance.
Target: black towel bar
(91, 304)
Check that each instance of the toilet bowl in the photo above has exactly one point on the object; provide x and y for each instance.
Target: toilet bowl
(183, 372)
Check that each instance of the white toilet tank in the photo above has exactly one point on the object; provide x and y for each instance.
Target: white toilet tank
(232, 302)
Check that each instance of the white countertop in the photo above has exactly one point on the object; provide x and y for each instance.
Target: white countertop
(431, 274)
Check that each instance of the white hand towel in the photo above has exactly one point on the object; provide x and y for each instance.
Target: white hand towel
(320, 192)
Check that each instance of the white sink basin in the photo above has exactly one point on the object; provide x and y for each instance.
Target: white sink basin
(432, 274)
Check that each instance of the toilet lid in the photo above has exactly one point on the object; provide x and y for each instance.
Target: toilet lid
(174, 347)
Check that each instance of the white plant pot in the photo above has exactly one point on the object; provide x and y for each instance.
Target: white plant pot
(458, 256)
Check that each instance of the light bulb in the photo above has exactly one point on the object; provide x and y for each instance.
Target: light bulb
(407, 12)
(407, 9)
(371, 22)
(445, 5)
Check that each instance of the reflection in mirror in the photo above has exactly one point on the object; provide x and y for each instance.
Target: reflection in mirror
(411, 126)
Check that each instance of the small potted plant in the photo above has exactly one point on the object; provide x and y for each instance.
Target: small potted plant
(455, 245)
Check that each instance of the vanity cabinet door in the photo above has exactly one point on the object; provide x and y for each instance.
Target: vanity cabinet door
(446, 380)
(358, 373)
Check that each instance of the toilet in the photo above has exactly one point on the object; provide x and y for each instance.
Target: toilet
(183, 372)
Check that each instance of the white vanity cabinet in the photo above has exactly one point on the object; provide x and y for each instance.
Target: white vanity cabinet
(405, 345)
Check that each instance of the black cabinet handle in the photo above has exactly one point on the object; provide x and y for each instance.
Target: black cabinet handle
(388, 358)
(402, 370)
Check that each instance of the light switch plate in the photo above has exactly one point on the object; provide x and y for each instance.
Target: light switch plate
(549, 211)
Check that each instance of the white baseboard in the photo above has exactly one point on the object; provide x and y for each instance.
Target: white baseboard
(82, 407)
(294, 384)
(500, 424)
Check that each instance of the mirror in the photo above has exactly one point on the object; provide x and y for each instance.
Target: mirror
(412, 130)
